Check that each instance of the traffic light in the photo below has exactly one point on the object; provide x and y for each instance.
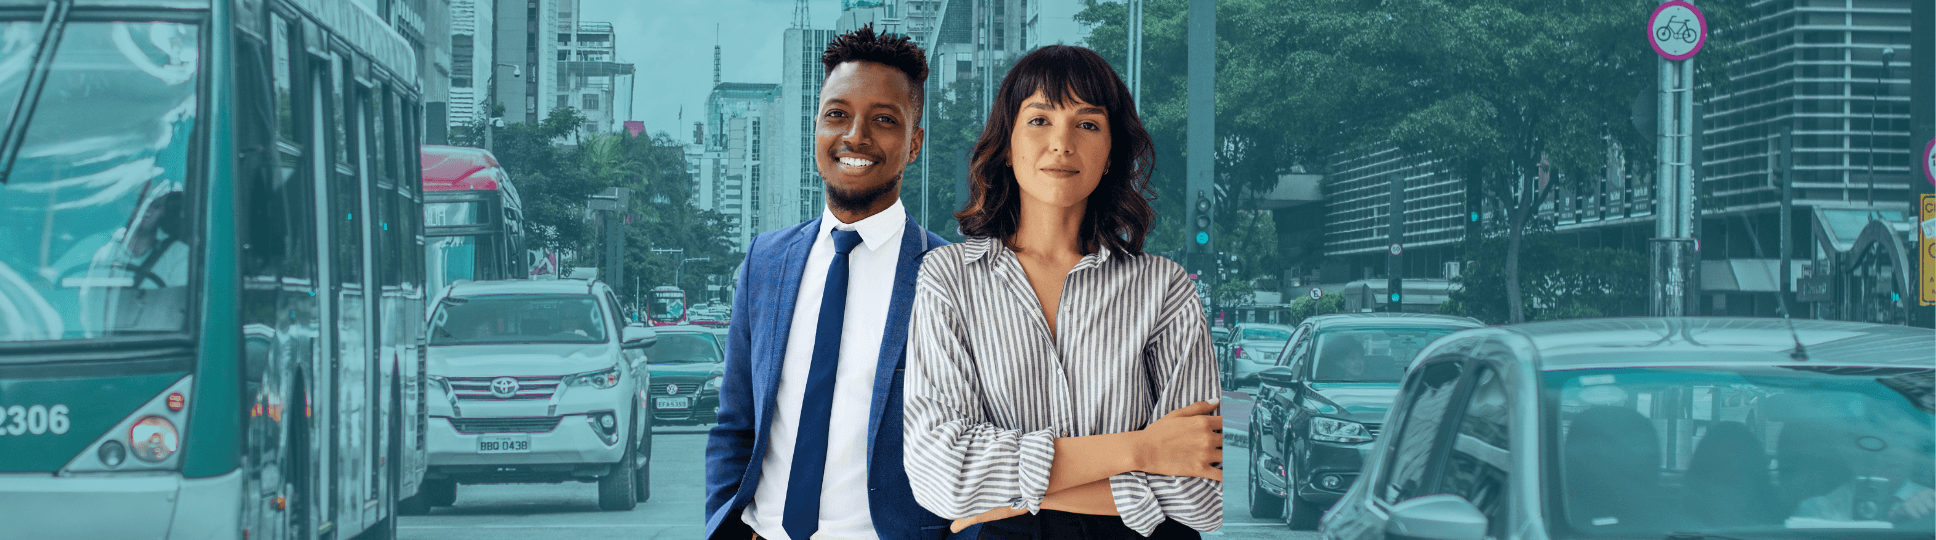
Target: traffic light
(1200, 225)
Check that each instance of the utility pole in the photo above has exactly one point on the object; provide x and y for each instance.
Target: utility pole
(1678, 31)
(1395, 234)
(1785, 143)
(1135, 53)
(1200, 121)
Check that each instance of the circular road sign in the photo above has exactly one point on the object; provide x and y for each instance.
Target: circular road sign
(1397, 249)
(1317, 293)
(1677, 30)
(1929, 161)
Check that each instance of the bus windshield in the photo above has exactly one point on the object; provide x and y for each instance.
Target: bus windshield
(96, 231)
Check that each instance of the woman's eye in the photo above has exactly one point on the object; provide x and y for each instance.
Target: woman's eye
(1091, 126)
(1038, 121)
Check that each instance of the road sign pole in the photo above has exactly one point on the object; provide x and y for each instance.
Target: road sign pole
(1676, 31)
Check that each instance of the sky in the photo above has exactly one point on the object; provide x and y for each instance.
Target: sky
(671, 43)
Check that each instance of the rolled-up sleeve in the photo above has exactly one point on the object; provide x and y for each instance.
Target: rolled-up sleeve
(1179, 354)
(960, 464)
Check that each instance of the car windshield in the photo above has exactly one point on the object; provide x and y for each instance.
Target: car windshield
(96, 223)
(1369, 354)
(1742, 451)
(1266, 334)
(685, 348)
(518, 318)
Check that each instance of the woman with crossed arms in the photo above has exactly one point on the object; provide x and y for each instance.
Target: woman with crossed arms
(1060, 382)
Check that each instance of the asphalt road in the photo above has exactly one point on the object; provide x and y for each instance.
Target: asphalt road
(570, 511)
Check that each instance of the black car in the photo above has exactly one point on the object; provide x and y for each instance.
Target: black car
(1320, 404)
(1652, 428)
(686, 366)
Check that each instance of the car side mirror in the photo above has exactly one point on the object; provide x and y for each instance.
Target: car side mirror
(1436, 517)
(1278, 376)
(638, 336)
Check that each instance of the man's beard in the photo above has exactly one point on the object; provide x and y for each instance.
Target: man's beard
(860, 200)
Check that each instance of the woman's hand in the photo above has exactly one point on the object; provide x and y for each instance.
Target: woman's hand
(1186, 442)
(991, 515)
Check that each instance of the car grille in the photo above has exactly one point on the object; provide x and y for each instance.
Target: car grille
(521, 424)
(687, 387)
(529, 388)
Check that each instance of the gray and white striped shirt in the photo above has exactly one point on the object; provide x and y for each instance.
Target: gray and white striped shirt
(989, 389)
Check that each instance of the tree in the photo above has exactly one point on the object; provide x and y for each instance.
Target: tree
(1493, 90)
(1555, 281)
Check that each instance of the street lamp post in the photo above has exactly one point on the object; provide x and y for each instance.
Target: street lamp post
(1888, 54)
(490, 101)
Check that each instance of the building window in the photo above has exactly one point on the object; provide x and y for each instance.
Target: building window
(591, 102)
(564, 101)
(564, 39)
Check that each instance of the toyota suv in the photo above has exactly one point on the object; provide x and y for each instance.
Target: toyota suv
(540, 381)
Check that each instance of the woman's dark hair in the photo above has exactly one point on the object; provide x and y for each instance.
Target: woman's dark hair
(1118, 213)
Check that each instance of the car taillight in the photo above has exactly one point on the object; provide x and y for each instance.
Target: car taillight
(154, 439)
(1238, 352)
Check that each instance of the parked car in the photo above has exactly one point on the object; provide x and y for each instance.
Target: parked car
(1320, 404)
(1704, 428)
(538, 381)
(686, 366)
(1252, 347)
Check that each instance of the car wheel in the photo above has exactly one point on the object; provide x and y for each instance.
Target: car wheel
(1263, 503)
(642, 480)
(438, 492)
(616, 492)
(1302, 515)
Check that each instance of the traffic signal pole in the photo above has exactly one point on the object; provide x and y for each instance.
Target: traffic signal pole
(1395, 258)
(1200, 140)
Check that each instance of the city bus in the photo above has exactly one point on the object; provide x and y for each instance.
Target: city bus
(666, 306)
(211, 270)
(472, 218)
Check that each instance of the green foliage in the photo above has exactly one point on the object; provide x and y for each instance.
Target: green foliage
(556, 180)
(955, 118)
(1304, 307)
(1557, 281)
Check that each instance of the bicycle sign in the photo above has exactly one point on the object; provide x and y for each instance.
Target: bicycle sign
(1929, 161)
(1677, 30)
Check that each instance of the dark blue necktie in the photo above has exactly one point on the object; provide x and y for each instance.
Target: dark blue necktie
(810, 442)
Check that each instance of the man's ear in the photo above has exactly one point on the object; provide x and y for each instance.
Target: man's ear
(914, 150)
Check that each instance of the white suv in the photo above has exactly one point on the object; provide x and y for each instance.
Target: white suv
(540, 381)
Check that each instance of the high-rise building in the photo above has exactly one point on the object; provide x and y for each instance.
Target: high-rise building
(740, 122)
(471, 60)
(590, 78)
(524, 39)
(1053, 22)
(800, 100)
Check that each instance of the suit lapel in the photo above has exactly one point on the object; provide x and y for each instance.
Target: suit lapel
(780, 325)
(894, 338)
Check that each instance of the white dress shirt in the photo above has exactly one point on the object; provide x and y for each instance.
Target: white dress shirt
(843, 490)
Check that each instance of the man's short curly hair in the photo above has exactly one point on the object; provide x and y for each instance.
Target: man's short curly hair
(895, 51)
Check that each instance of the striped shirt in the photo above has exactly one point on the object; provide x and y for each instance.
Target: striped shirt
(989, 389)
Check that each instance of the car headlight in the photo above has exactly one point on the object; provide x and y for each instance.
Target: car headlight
(1338, 431)
(439, 382)
(713, 383)
(604, 378)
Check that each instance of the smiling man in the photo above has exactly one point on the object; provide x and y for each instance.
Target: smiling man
(808, 443)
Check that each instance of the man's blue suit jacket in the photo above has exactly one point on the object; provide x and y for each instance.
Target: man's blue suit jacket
(755, 348)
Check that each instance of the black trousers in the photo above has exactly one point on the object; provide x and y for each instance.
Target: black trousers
(1057, 525)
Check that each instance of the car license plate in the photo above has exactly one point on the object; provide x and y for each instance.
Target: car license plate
(503, 444)
(673, 403)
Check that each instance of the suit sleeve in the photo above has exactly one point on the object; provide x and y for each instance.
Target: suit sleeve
(959, 464)
(1179, 355)
(729, 445)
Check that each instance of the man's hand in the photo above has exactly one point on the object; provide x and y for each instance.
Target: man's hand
(991, 515)
(1915, 507)
(1186, 442)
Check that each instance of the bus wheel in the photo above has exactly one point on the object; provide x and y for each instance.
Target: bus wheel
(615, 490)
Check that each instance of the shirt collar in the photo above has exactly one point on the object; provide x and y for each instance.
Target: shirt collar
(978, 247)
(874, 230)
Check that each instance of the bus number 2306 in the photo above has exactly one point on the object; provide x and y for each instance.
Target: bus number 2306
(33, 420)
